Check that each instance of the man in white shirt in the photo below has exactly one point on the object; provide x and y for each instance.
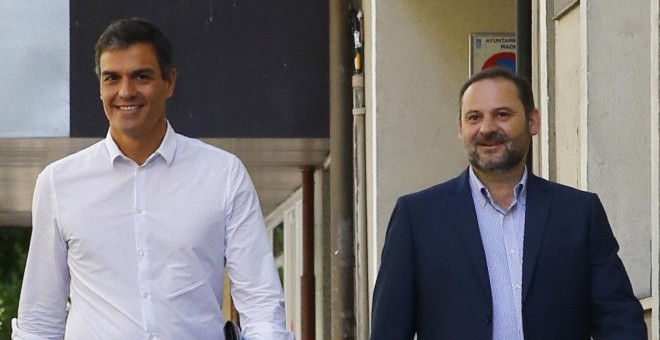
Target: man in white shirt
(135, 230)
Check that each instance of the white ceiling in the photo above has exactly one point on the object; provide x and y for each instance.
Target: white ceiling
(274, 165)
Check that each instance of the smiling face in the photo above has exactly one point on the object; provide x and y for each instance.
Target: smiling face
(493, 126)
(134, 92)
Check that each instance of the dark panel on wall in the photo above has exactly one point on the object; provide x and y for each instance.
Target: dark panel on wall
(246, 68)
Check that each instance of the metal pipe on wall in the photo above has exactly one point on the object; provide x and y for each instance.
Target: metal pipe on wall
(307, 279)
(359, 183)
(342, 260)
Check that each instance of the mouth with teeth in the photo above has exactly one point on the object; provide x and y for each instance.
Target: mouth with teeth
(128, 108)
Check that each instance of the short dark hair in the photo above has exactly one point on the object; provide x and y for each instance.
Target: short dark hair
(524, 89)
(123, 33)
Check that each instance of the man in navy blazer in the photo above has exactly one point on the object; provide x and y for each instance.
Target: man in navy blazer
(498, 253)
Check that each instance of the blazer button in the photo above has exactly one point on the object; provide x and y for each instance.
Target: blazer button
(489, 319)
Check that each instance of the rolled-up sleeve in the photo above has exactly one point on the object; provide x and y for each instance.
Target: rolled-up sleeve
(45, 290)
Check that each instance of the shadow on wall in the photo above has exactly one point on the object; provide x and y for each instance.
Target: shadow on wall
(14, 242)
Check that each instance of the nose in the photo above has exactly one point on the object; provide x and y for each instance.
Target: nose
(127, 89)
(488, 125)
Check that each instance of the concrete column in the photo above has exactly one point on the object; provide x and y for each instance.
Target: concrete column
(341, 178)
(617, 138)
(655, 168)
(544, 88)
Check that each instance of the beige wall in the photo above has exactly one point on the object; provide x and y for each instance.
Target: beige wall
(416, 61)
(567, 99)
(655, 166)
(602, 102)
(602, 116)
(618, 123)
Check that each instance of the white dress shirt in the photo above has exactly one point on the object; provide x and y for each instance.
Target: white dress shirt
(502, 232)
(140, 249)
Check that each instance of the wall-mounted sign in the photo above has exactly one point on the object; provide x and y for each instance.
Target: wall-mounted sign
(492, 49)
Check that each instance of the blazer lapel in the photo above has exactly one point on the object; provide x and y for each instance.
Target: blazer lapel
(465, 220)
(536, 220)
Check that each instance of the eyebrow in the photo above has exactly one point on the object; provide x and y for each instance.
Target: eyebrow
(499, 108)
(133, 73)
(108, 73)
(470, 111)
(504, 108)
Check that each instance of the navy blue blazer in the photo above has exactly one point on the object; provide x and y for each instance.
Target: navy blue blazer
(433, 279)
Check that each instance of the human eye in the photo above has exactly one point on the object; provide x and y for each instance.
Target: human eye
(503, 114)
(143, 76)
(472, 117)
(109, 78)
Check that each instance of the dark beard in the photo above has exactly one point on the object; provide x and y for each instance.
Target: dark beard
(513, 155)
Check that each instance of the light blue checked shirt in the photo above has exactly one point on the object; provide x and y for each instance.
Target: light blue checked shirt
(502, 232)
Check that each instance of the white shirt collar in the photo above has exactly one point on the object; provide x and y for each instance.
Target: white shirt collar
(167, 147)
(483, 195)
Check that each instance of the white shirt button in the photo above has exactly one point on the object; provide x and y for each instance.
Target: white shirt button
(141, 252)
(145, 295)
(518, 286)
(512, 251)
(139, 211)
(151, 336)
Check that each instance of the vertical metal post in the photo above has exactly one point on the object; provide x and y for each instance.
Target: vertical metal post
(359, 183)
(307, 280)
(342, 260)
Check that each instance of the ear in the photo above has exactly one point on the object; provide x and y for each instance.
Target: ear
(170, 82)
(534, 122)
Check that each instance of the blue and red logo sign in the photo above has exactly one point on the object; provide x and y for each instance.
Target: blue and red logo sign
(503, 59)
